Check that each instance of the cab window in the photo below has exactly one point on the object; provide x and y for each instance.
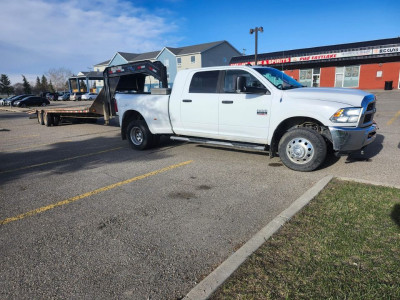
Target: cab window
(204, 82)
(230, 80)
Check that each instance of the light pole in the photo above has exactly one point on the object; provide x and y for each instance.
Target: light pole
(255, 30)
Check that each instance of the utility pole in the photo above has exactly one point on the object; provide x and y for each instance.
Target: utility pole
(256, 30)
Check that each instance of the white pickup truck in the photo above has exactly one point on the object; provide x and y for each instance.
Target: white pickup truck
(242, 106)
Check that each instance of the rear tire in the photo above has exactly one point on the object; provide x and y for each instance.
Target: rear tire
(56, 120)
(40, 118)
(302, 149)
(48, 119)
(139, 135)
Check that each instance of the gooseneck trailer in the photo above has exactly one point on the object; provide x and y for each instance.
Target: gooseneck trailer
(132, 74)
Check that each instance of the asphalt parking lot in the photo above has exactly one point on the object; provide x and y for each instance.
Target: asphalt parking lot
(84, 216)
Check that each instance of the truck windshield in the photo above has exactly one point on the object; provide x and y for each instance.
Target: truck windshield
(279, 79)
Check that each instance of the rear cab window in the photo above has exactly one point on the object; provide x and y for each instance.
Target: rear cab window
(204, 82)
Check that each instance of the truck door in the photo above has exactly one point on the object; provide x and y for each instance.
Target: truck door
(244, 116)
(199, 105)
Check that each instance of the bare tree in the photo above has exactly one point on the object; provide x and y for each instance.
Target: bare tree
(58, 77)
(18, 88)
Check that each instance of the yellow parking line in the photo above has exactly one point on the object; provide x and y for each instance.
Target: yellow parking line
(100, 190)
(22, 137)
(394, 118)
(36, 146)
(60, 160)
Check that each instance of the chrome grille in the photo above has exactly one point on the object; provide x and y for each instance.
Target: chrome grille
(368, 110)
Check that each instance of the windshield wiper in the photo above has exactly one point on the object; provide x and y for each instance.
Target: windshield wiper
(291, 86)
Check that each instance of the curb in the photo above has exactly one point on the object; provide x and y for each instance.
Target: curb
(368, 182)
(214, 280)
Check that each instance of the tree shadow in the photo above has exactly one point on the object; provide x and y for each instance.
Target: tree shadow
(395, 215)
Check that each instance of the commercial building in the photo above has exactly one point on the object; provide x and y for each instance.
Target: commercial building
(363, 65)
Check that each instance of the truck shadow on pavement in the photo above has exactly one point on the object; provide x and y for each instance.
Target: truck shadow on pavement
(370, 151)
(70, 157)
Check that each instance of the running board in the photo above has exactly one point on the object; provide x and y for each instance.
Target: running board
(257, 147)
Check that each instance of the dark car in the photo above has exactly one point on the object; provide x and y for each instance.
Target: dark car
(10, 101)
(52, 96)
(32, 101)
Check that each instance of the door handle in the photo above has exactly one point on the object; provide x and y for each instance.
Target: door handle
(186, 100)
(227, 102)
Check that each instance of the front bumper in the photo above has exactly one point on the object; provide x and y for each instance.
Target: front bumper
(347, 140)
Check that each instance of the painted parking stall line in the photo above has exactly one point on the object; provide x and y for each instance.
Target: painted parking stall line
(94, 192)
(394, 118)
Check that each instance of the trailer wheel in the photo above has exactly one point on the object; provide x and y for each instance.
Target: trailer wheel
(48, 119)
(302, 149)
(139, 135)
(56, 120)
(40, 117)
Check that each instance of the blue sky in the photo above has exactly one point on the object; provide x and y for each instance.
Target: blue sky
(37, 35)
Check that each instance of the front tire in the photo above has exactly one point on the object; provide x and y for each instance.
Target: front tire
(139, 135)
(302, 149)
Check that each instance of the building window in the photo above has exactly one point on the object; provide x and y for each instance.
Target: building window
(306, 77)
(204, 82)
(166, 63)
(179, 61)
(193, 59)
(348, 77)
(310, 77)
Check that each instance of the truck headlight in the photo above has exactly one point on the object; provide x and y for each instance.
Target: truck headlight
(346, 115)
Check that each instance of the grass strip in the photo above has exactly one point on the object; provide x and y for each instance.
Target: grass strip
(344, 245)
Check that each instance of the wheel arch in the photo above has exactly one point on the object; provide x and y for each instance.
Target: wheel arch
(287, 124)
(129, 116)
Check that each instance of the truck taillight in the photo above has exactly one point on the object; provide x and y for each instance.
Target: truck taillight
(115, 105)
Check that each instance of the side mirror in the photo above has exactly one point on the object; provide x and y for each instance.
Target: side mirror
(240, 84)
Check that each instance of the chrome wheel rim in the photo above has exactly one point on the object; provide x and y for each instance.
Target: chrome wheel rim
(300, 151)
(136, 136)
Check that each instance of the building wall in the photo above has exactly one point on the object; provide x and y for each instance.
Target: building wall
(295, 74)
(218, 56)
(327, 78)
(186, 62)
(117, 60)
(99, 83)
(171, 68)
(369, 79)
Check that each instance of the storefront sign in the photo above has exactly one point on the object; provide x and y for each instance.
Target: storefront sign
(354, 53)
(387, 50)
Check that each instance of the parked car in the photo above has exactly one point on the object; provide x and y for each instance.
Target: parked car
(10, 101)
(7, 101)
(64, 97)
(89, 96)
(76, 96)
(51, 96)
(32, 101)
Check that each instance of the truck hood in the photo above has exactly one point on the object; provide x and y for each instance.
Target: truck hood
(349, 97)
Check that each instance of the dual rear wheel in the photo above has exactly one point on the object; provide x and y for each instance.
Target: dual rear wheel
(139, 135)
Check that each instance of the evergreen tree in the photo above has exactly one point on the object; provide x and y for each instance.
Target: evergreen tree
(5, 85)
(38, 86)
(51, 87)
(26, 85)
(45, 84)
